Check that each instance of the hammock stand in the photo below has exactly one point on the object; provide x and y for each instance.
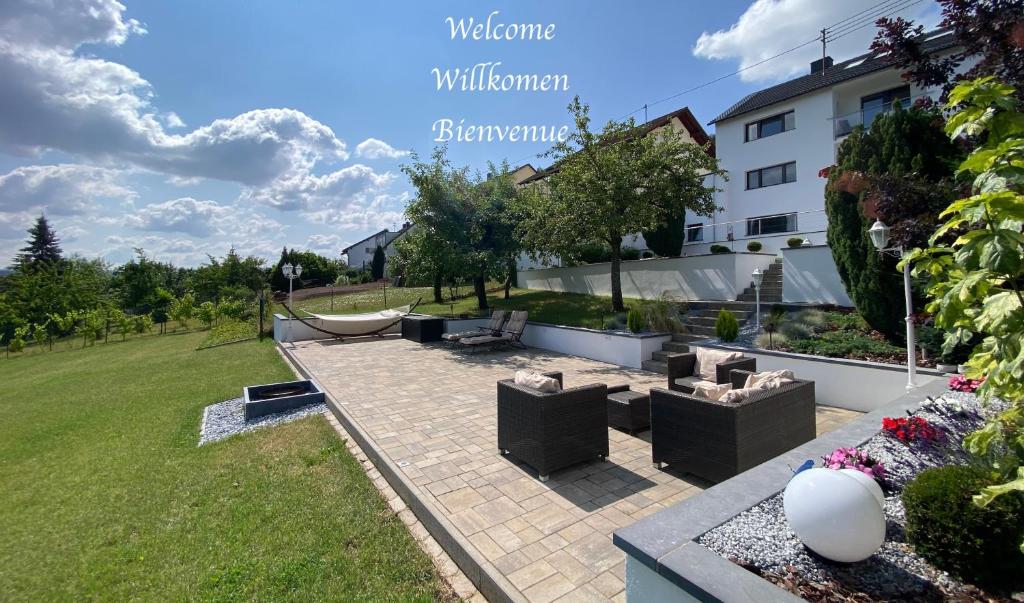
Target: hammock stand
(340, 336)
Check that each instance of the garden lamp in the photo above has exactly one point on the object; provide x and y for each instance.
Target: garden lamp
(758, 275)
(291, 273)
(298, 269)
(879, 234)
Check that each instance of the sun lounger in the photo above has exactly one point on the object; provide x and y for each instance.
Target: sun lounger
(493, 328)
(510, 336)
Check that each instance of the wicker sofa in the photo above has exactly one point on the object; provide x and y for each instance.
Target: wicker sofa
(682, 366)
(550, 431)
(717, 440)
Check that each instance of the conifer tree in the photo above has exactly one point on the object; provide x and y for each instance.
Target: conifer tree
(43, 245)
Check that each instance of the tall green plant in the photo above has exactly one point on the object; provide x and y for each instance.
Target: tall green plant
(903, 144)
(726, 326)
(976, 283)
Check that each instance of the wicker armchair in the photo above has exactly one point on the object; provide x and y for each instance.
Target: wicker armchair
(715, 440)
(549, 431)
(682, 366)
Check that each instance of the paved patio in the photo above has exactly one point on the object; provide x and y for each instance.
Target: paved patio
(431, 410)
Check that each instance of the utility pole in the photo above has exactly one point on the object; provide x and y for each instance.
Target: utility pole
(823, 52)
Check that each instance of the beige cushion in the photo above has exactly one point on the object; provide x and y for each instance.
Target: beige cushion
(711, 391)
(769, 379)
(541, 383)
(708, 359)
(734, 396)
(692, 382)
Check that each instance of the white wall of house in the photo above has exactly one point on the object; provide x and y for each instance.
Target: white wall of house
(704, 277)
(360, 255)
(809, 276)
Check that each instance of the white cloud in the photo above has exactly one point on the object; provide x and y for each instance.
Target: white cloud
(769, 27)
(309, 192)
(173, 120)
(329, 245)
(384, 211)
(371, 148)
(65, 23)
(203, 219)
(60, 189)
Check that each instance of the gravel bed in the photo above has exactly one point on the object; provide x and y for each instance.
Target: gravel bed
(760, 539)
(227, 418)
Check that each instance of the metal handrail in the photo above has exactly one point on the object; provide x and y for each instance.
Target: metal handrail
(726, 232)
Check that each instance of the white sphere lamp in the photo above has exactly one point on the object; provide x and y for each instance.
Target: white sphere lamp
(835, 514)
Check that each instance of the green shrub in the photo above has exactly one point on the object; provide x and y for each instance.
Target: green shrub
(795, 242)
(770, 341)
(726, 326)
(845, 344)
(662, 314)
(595, 253)
(846, 321)
(720, 249)
(612, 324)
(812, 317)
(629, 253)
(794, 329)
(754, 246)
(635, 320)
(976, 544)
(647, 255)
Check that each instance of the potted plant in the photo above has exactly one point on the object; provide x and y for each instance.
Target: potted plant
(795, 242)
(754, 246)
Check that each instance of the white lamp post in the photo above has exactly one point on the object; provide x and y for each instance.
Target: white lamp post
(879, 234)
(758, 275)
(291, 273)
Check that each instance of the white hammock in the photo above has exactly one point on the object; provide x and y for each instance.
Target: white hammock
(359, 324)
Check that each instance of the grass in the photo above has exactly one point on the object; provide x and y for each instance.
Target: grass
(570, 309)
(107, 497)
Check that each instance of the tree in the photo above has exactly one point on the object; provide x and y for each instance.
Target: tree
(125, 323)
(667, 239)
(990, 33)
(43, 246)
(377, 265)
(183, 309)
(207, 313)
(895, 165)
(608, 185)
(317, 270)
(976, 282)
(464, 224)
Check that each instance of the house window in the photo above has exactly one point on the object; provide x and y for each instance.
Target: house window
(770, 126)
(694, 232)
(369, 250)
(877, 104)
(764, 225)
(772, 175)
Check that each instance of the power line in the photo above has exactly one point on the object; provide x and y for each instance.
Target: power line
(844, 27)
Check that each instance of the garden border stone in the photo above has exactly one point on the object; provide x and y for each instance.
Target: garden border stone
(665, 541)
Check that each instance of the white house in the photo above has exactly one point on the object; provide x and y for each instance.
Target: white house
(360, 254)
(773, 144)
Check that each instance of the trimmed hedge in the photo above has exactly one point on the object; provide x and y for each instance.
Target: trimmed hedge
(978, 545)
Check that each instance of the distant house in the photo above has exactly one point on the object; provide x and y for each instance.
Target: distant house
(360, 255)
(773, 144)
(682, 123)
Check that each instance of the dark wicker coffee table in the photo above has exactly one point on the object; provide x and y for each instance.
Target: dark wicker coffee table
(628, 410)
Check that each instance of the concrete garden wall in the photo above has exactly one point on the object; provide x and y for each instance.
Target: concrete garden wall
(622, 349)
(706, 277)
(809, 276)
(851, 384)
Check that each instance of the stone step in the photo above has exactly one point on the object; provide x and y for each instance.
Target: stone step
(701, 330)
(716, 305)
(682, 338)
(675, 347)
(703, 321)
(662, 355)
(713, 313)
(655, 366)
(765, 299)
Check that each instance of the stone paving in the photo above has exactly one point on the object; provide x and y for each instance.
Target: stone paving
(432, 410)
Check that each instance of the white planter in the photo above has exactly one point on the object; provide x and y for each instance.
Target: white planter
(961, 368)
(947, 368)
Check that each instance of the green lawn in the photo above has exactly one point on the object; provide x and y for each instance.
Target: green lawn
(570, 309)
(105, 496)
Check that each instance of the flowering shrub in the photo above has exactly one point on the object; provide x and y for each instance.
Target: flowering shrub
(959, 383)
(910, 429)
(851, 458)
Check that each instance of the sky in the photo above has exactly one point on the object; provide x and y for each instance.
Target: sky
(185, 128)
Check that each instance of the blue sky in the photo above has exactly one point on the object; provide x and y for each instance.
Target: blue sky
(186, 127)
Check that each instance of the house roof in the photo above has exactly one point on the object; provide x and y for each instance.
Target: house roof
(684, 115)
(398, 234)
(361, 241)
(850, 69)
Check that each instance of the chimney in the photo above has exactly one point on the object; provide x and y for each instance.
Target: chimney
(821, 65)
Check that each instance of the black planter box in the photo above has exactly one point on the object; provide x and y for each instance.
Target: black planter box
(422, 328)
(258, 403)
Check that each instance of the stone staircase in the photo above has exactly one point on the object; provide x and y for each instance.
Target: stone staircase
(701, 317)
